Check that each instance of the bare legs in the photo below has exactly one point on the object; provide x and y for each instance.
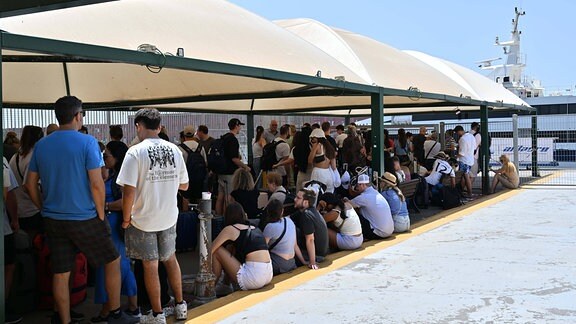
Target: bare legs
(224, 260)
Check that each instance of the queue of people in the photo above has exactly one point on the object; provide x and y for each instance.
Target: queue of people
(121, 204)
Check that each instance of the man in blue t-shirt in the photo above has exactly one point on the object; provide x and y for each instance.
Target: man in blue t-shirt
(68, 164)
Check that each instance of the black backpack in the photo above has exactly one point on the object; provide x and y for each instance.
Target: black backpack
(269, 155)
(197, 172)
(451, 197)
(289, 196)
(216, 157)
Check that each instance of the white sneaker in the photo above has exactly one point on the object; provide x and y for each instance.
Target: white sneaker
(169, 307)
(181, 311)
(151, 319)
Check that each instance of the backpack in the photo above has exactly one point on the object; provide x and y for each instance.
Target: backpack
(268, 158)
(216, 157)
(197, 173)
(289, 196)
(451, 197)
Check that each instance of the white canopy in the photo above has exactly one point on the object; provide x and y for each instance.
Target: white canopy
(214, 31)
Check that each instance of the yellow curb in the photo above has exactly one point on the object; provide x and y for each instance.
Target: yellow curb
(238, 301)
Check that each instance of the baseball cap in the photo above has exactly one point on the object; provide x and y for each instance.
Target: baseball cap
(189, 130)
(363, 178)
(345, 180)
(234, 122)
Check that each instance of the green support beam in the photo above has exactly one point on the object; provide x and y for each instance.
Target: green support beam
(2, 288)
(484, 154)
(534, 135)
(377, 106)
(250, 136)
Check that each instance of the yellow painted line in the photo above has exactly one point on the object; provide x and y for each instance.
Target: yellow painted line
(227, 306)
(546, 179)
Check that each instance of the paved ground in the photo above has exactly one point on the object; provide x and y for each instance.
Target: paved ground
(512, 262)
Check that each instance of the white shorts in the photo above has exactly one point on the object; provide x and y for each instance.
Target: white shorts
(349, 242)
(401, 223)
(254, 275)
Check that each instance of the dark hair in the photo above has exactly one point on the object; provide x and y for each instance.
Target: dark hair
(474, 125)
(315, 125)
(409, 134)
(234, 214)
(30, 136)
(148, 117)
(386, 133)
(402, 137)
(83, 129)
(458, 128)
(259, 132)
(326, 126)
(328, 148)
(203, 129)
(305, 125)
(11, 138)
(116, 132)
(101, 146)
(285, 129)
(395, 158)
(340, 127)
(309, 195)
(66, 108)
(332, 199)
(118, 151)
(274, 210)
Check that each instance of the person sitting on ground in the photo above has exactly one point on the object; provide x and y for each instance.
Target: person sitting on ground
(246, 261)
(244, 192)
(506, 175)
(344, 228)
(280, 234)
(312, 231)
(278, 192)
(375, 215)
(396, 201)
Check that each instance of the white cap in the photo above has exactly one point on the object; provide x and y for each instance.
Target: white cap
(345, 180)
(363, 178)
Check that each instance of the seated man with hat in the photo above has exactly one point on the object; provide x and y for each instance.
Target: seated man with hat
(375, 218)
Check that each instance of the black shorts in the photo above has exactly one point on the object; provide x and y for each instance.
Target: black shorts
(33, 223)
(367, 231)
(9, 249)
(91, 237)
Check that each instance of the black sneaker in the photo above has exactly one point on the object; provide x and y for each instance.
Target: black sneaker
(12, 318)
(74, 317)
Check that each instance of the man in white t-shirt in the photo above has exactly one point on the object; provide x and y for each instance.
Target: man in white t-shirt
(375, 218)
(475, 131)
(282, 153)
(340, 136)
(152, 173)
(466, 145)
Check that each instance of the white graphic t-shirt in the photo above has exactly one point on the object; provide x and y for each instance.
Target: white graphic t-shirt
(156, 169)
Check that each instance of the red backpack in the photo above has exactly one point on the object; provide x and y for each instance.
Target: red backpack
(44, 272)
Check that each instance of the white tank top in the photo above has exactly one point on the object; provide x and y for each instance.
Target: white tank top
(349, 226)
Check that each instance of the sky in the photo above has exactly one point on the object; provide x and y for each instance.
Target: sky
(461, 31)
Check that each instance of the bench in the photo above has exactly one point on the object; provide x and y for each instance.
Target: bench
(409, 189)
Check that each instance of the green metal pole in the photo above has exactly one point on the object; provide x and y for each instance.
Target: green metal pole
(377, 107)
(484, 154)
(250, 135)
(346, 120)
(534, 135)
(2, 274)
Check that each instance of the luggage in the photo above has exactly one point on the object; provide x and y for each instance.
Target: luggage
(23, 292)
(187, 231)
(451, 197)
(79, 281)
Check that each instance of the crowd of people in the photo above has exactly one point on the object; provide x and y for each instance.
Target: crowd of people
(120, 204)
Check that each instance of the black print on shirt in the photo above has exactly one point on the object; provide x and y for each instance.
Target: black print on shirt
(161, 156)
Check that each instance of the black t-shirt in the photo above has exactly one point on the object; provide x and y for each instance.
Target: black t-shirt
(418, 142)
(206, 144)
(307, 222)
(231, 150)
(332, 141)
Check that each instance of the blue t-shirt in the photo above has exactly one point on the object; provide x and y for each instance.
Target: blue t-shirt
(62, 161)
(397, 207)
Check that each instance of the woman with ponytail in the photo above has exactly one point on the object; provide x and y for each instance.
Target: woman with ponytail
(397, 202)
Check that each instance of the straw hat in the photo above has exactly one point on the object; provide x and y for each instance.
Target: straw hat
(389, 179)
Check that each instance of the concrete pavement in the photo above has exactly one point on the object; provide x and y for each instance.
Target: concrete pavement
(510, 262)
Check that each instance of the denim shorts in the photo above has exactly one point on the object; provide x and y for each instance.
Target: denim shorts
(150, 246)
(464, 167)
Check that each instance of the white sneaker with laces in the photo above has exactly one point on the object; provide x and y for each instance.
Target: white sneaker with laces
(151, 319)
(169, 307)
(181, 311)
